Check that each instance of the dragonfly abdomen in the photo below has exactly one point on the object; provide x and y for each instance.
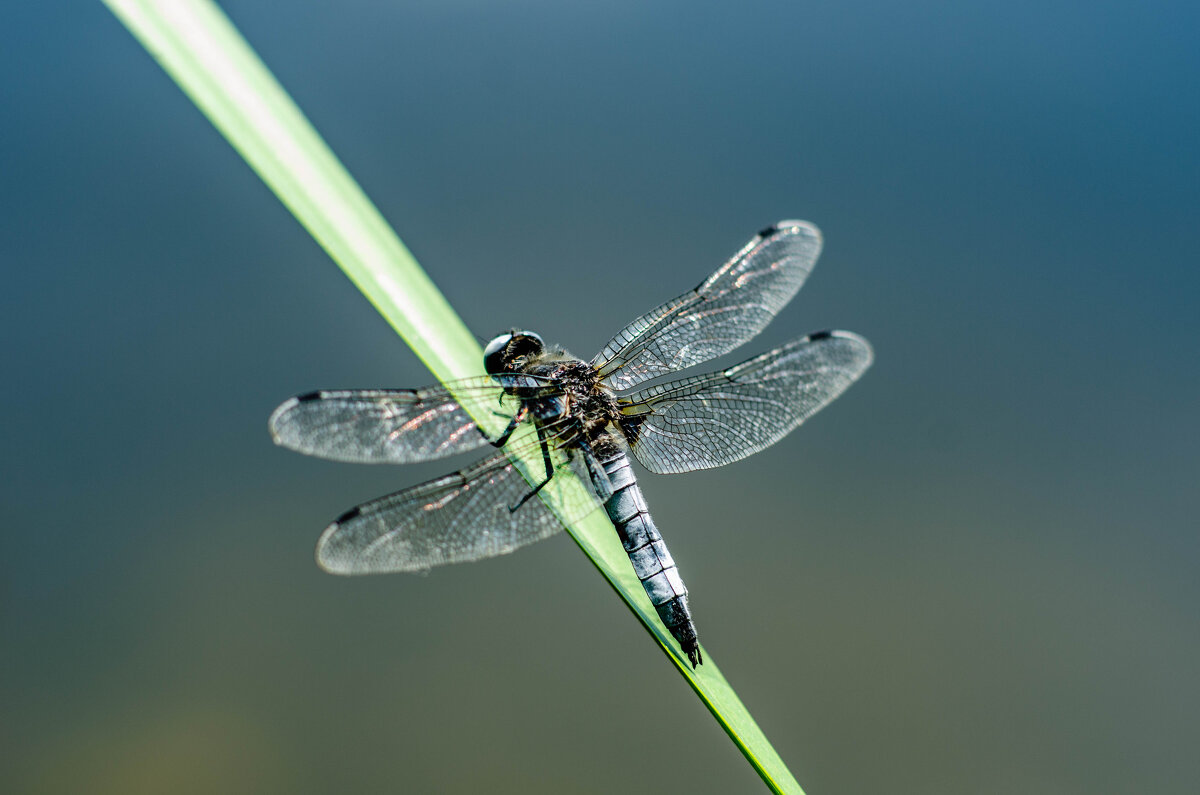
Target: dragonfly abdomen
(649, 555)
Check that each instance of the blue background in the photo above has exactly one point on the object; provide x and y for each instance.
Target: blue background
(974, 573)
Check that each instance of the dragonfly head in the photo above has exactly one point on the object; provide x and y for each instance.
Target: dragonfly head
(505, 353)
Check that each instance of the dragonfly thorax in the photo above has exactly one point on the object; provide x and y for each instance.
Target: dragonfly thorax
(592, 406)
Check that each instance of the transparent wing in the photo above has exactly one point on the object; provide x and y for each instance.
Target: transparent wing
(454, 519)
(718, 418)
(727, 310)
(382, 426)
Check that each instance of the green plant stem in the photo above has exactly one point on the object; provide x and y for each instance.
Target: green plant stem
(201, 50)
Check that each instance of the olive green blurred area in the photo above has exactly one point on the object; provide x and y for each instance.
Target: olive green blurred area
(976, 572)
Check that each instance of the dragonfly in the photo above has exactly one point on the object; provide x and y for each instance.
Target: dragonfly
(587, 418)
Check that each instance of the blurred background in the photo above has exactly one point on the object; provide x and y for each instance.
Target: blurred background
(974, 573)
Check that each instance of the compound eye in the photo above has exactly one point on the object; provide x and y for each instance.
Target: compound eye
(494, 355)
(523, 346)
(526, 343)
(507, 352)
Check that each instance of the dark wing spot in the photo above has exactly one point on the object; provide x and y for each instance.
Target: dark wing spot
(347, 516)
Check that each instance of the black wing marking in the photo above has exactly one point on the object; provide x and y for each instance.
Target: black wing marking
(718, 418)
(454, 519)
(383, 426)
(725, 311)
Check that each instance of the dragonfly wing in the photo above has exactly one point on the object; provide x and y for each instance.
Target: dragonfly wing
(373, 426)
(718, 418)
(725, 311)
(461, 517)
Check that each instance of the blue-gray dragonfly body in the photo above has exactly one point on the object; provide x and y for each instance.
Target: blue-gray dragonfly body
(586, 416)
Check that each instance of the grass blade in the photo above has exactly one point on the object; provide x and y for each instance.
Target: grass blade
(201, 50)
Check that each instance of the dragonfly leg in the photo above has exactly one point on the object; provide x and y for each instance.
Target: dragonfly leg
(512, 426)
(541, 432)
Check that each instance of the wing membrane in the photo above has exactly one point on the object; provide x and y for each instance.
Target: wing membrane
(718, 418)
(457, 518)
(381, 426)
(725, 311)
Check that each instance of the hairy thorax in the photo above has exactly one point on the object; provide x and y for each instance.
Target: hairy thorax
(589, 405)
